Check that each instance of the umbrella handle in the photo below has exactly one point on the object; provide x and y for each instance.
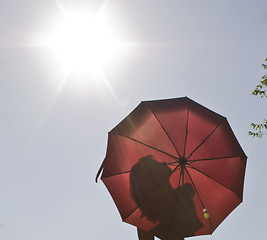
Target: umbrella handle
(143, 235)
(100, 169)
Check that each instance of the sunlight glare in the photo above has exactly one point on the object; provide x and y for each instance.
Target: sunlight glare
(84, 45)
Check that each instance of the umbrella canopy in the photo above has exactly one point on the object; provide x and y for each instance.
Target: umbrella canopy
(174, 167)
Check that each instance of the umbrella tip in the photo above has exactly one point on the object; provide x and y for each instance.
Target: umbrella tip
(206, 214)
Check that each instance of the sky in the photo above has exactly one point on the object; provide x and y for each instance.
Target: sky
(54, 125)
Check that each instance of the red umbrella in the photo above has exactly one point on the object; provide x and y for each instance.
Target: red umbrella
(174, 168)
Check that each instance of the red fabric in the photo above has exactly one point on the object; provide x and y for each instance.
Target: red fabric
(148, 181)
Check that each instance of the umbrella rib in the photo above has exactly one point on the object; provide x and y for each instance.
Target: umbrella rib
(116, 174)
(171, 163)
(212, 178)
(146, 145)
(165, 131)
(176, 168)
(180, 177)
(195, 188)
(210, 159)
(204, 141)
(186, 130)
(199, 197)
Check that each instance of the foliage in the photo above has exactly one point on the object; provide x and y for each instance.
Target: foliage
(259, 129)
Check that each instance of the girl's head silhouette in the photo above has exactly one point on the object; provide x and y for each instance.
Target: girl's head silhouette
(173, 209)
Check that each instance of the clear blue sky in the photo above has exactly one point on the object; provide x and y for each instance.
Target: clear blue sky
(53, 136)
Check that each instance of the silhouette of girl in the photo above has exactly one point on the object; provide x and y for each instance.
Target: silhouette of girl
(173, 210)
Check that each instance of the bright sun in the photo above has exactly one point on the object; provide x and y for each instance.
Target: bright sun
(84, 45)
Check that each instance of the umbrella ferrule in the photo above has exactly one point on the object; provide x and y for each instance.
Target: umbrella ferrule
(182, 161)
